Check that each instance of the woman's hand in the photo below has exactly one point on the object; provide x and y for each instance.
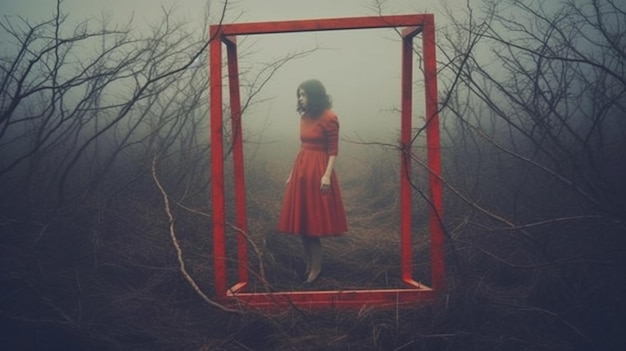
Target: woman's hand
(325, 186)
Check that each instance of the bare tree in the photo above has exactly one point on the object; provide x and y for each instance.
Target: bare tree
(533, 106)
(84, 111)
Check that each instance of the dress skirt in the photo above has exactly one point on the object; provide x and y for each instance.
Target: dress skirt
(305, 210)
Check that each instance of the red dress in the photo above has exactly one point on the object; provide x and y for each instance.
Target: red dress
(305, 209)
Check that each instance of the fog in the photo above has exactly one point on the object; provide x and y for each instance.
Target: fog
(360, 68)
(105, 183)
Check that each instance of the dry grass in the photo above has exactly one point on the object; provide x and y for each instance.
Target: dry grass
(365, 257)
(113, 283)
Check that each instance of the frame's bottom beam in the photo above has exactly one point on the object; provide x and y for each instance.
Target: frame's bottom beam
(332, 299)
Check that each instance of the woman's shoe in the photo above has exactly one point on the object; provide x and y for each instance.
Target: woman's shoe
(312, 278)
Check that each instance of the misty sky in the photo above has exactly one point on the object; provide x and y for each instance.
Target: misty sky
(361, 69)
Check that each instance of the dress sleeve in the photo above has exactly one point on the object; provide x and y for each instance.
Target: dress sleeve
(331, 129)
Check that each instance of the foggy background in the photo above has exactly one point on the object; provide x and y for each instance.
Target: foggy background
(360, 68)
(105, 206)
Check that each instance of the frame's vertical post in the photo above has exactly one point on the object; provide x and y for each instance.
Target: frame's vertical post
(405, 162)
(434, 155)
(217, 163)
(237, 140)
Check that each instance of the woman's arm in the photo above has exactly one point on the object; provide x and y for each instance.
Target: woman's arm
(325, 186)
(331, 129)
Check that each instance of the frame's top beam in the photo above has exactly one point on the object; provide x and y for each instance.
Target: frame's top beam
(321, 24)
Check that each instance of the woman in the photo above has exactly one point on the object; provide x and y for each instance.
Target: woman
(312, 207)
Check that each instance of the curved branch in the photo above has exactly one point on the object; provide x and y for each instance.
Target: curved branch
(179, 251)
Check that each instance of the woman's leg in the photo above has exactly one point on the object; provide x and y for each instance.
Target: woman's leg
(313, 246)
(307, 255)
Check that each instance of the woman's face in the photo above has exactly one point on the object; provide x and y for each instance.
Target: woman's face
(302, 100)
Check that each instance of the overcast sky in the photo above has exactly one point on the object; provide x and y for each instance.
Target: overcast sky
(361, 69)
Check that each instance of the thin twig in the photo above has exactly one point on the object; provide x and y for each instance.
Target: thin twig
(257, 252)
(179, 251)
(256, 249)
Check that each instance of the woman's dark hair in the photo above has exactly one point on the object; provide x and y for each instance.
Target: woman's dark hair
(317, 99)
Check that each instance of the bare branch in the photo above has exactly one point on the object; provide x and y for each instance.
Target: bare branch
(179, 251)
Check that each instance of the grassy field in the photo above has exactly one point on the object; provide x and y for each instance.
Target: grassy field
(104, 275)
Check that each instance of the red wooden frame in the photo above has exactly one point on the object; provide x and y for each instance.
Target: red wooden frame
(413, 292)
